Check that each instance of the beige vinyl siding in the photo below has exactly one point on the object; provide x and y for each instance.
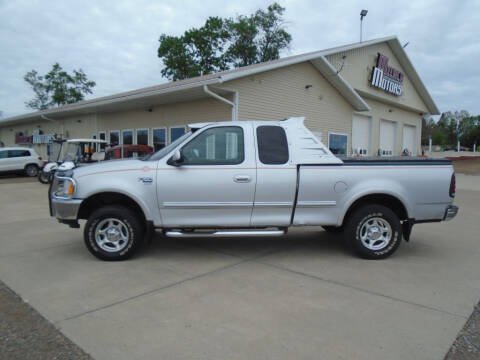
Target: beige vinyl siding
(177, 114)
(357, 68)
(281, 93)
(399, 116)
(7, 135)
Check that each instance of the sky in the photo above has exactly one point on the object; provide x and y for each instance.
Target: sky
(115, 42)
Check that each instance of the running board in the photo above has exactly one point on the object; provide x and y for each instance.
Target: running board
(224, 233)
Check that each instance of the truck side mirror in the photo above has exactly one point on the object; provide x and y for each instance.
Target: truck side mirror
(176, 159)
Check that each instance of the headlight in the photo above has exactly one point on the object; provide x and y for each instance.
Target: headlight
(63, 187)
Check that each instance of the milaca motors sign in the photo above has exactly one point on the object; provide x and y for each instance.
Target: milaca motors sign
(386, 77)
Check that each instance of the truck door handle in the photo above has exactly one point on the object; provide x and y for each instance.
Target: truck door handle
(241, 178)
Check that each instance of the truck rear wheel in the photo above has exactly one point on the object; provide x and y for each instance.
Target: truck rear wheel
(113, 233)
(374, 231)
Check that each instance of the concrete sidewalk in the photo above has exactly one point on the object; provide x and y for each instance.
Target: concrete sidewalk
(302, 296)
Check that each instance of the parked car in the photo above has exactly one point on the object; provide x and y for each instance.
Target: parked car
(252, 178)
(20, 160)
(128, 151)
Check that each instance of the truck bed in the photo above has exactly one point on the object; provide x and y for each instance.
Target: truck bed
(393, 160)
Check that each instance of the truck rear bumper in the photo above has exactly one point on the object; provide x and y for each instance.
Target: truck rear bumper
(450, 212)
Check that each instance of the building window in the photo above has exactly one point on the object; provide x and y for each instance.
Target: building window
(102, 136)
(215, 146)
(114, 137)
(176, 132)
(338, 143)
(127, 137)
(142, 136)
(159, 138)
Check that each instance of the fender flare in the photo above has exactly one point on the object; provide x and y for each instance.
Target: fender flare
(380, 192)
(133, 197)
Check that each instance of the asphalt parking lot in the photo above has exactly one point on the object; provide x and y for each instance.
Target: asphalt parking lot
(301, 296)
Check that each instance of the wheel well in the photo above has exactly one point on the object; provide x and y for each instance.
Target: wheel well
(388, 201)
(94, 202)
(36, 165)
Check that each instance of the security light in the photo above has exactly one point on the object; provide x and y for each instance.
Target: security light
(363, 13)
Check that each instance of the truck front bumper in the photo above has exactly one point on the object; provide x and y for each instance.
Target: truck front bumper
(450, 212)
(65, 209)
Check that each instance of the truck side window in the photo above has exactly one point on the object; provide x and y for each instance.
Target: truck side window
(272, 145)
(215, 146)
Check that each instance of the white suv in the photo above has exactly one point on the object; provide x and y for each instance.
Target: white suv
(20, 159)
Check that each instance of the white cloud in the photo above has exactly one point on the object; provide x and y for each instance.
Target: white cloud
(115, 42)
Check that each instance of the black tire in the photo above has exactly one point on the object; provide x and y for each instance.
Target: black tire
(377, 218)
(127, 223)
(333, 229)
(44, 177)
(31, 170)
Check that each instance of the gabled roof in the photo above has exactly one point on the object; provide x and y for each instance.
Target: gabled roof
(192, 88)
(404, 61)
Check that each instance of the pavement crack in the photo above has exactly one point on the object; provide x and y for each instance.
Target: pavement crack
(153, 291)
(366, 291)
(29, 251)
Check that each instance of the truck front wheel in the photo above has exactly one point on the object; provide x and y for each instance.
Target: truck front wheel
(374, 231)
(113, 233)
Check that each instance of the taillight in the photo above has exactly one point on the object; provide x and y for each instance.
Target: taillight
(452, 186)
(39, 158)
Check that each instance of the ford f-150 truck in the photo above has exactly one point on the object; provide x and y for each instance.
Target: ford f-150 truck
(252, 178)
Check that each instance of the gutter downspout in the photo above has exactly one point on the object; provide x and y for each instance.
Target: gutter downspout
(233, 104)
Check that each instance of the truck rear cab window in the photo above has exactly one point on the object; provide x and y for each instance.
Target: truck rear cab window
(338, 143)
(216, 146)
(272, 145)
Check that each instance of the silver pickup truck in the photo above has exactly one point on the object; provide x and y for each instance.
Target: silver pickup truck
(252, 178)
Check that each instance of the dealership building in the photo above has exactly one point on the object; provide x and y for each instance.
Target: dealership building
(361, 99)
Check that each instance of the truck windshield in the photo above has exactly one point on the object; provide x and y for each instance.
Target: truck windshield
(162, 152)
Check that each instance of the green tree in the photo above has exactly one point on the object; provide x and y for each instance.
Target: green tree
(438, 138)
(470, 131)
(57, 87)
(222, 44)
(428, 128)
(450, 122)
(273, 36)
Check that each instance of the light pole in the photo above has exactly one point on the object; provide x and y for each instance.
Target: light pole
(363, 13)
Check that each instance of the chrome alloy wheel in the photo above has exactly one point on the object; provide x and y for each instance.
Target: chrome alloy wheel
(111, 235)
(375, 233)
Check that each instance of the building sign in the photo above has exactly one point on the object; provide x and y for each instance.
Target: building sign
(20, 138)
(43, 139)
(386, 77)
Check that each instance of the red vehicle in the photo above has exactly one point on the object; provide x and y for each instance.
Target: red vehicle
(127, 151)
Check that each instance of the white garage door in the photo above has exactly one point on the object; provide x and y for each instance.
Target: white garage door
(361, 135)
(387, 137)
(410, 139)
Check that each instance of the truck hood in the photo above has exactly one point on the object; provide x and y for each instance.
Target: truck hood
(112, 166)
